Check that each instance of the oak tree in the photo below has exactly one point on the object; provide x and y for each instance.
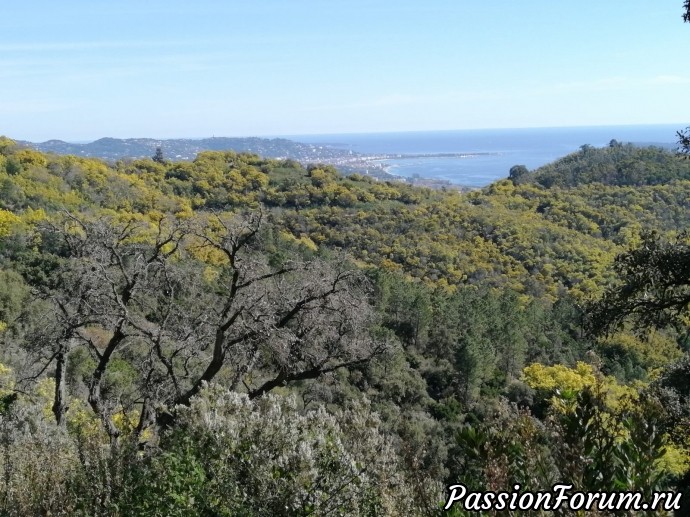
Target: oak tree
(177, 304)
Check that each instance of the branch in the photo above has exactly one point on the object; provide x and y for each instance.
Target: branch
(284, 378)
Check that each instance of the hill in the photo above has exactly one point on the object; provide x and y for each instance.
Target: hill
(504, 235)
(617, 164)
(186, 149)
(437, 335)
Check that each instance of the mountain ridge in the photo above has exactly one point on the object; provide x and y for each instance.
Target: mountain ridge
(186, 149)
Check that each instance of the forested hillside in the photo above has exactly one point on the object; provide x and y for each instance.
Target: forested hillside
(244, 336)
(617, 164)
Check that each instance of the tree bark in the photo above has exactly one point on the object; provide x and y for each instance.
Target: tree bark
(60, 399)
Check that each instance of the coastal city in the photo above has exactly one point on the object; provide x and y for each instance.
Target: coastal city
(346, 161)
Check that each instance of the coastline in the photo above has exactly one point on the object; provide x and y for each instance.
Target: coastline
(375, 166)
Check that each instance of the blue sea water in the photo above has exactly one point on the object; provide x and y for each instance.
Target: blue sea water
(488, 154)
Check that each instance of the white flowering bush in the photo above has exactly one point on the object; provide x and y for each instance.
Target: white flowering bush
(230, 455)
(46, 469)
(227, 455)
(36, 462)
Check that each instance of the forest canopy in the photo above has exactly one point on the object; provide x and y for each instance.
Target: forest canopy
(161, 320)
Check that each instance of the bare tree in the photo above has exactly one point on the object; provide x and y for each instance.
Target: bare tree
(185, 303)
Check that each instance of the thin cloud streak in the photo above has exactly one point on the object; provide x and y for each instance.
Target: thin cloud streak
(92, 45)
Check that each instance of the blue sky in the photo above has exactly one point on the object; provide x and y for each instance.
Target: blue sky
(80, 70)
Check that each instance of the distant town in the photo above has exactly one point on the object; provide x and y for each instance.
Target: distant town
(186, 149)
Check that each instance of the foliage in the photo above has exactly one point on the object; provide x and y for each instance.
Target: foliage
(673, 389)
(7, 221)
(591, 447)
(133, 295)
(228, 456)
(628, 356)
(484, 237)
(232, 456)
(616, 164)
(559, 378)
(684, 135)
(125, 287)
(158, 157)
(517, 174)
(654, 287)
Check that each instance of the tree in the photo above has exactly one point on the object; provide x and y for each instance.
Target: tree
(672, 388)
(684, 141)
(684, 135)
(158, 157)
(178, 304)
(7, 146)
(517, 174)
(654, 287)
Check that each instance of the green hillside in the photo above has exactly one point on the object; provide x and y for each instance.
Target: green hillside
(174, 330)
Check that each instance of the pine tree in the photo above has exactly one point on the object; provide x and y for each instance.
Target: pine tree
(158, 157)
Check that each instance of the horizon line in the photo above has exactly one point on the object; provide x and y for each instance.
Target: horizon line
(679, 125)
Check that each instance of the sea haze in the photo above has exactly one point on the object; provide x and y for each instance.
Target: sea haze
(483, 156)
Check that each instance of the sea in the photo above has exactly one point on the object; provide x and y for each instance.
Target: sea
(479, 157)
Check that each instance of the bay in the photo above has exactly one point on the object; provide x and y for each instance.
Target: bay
(479, 157)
